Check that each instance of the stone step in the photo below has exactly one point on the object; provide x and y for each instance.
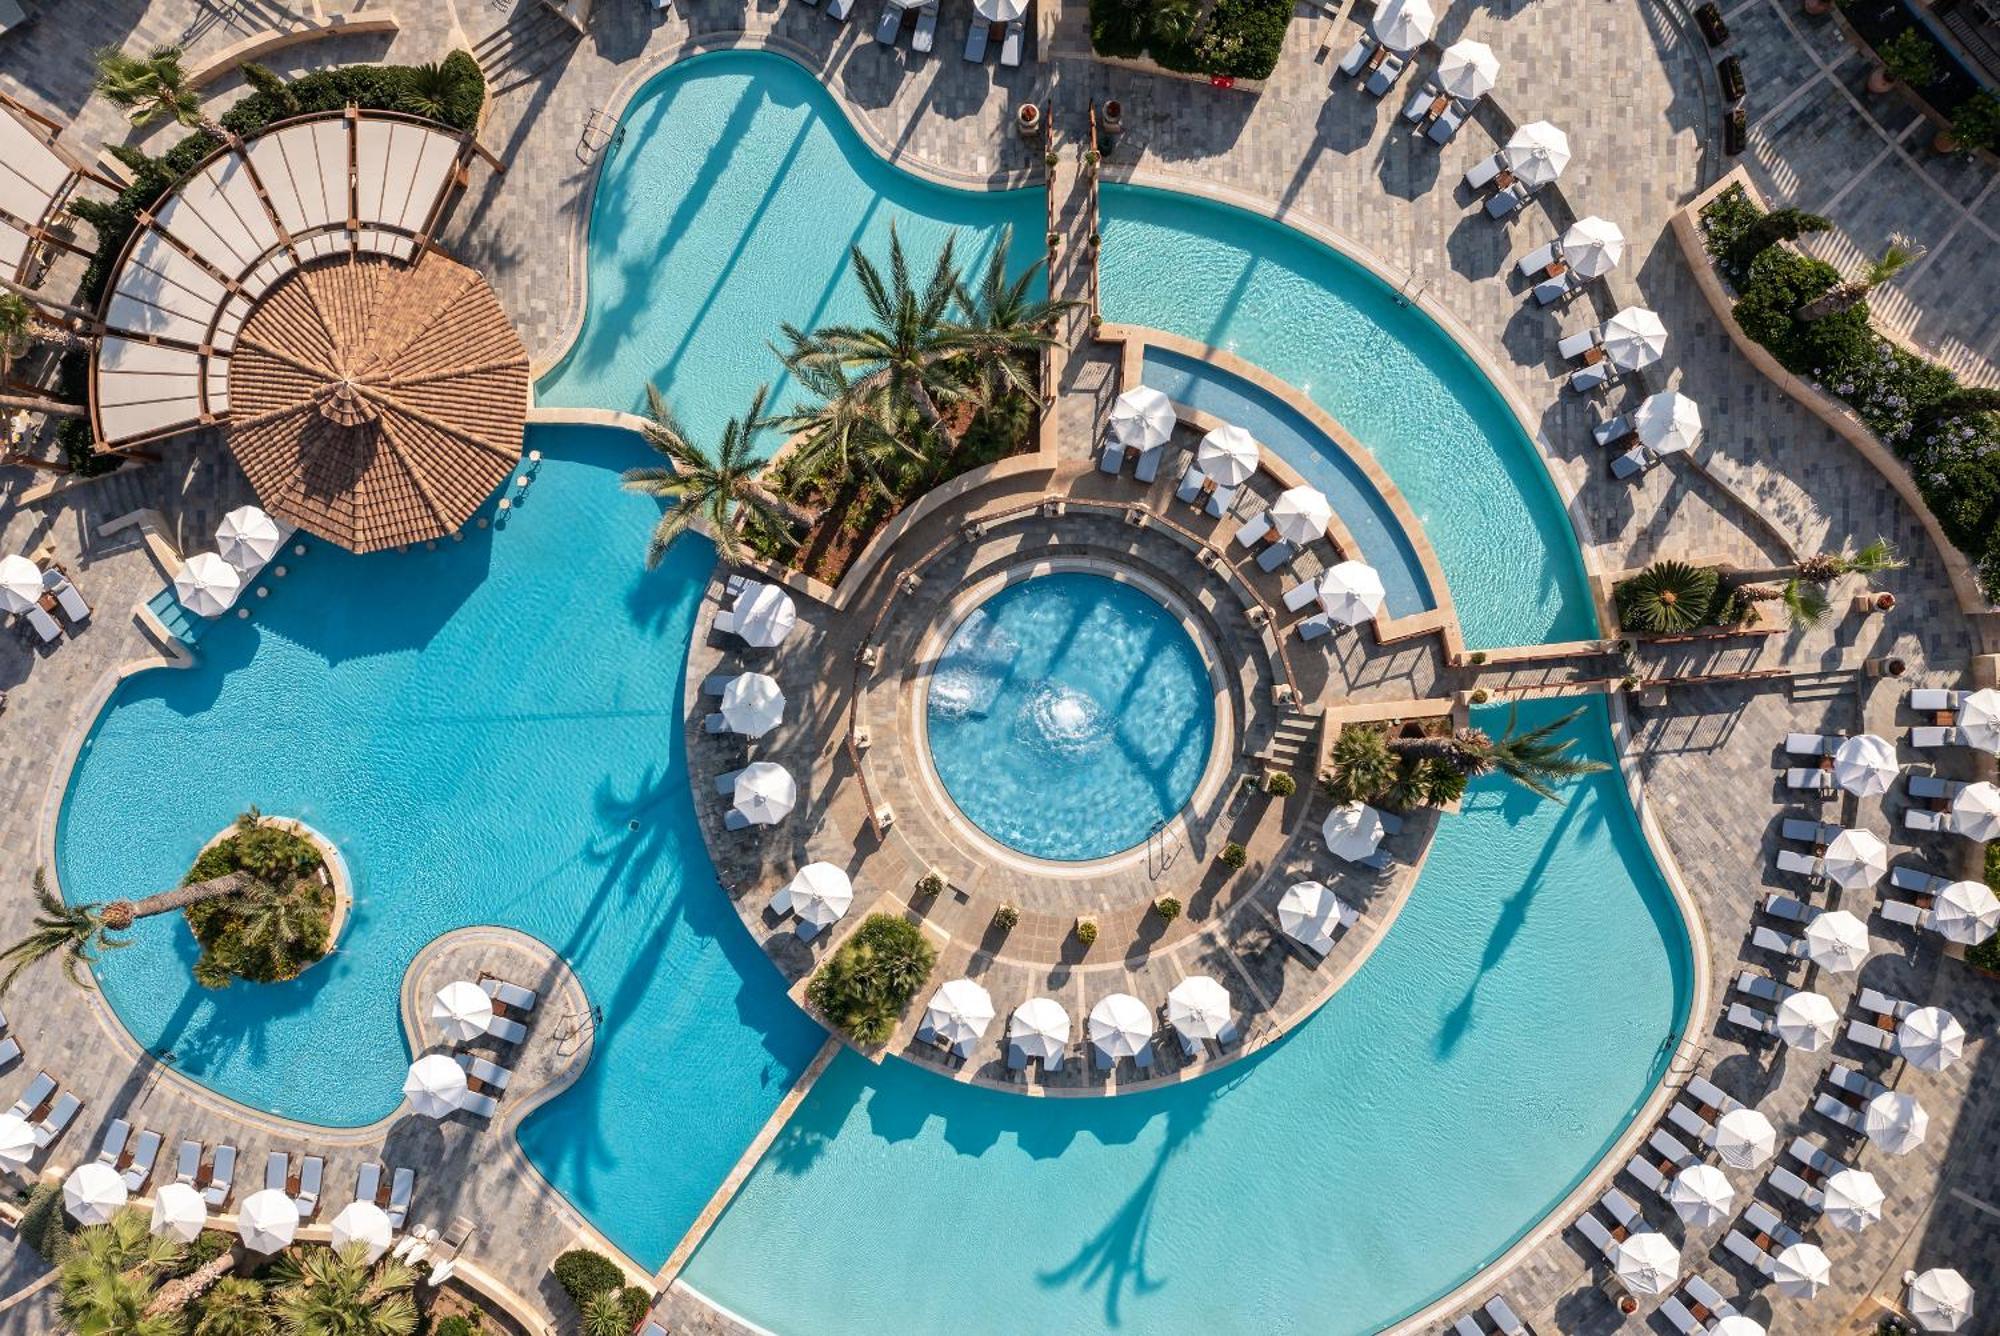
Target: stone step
(1819, 686)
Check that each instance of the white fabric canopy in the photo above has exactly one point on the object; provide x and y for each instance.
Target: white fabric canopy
(1301, 514)
(1404, 25)
(959, 1012)
(1807, 1021)
(1865, 765)
(1120, 1025)
(1856, 859)
(178, 1212)
(434, 1086)
(20, 583)
(1593, 246)
(462, 1010)
(1895, 1122)
(247, 538)
(1669, 422)
(1979, 719)
(1634, 338)
(1647, 1262)
(1467, 70)
(1853, 1200)
(267, 1220)
(1930, 1039)
(1735, 1324)
(1198, 1007)
(1228, 454)
(1039, 1027)
(1744, 1139)
(819, 893)
(1352, 831)
(1975, 812)
(17, 1141)
(1142, 418)
(1966, 912)
(94, 1192)
(207, 585)
(1000, 11)
(765, 615)
(1940, 1300)
(1308, 912)
(1801, 1270)
(765, 793)
(1701, 1194)
(752, 704)
(1837, 941)
(1351, 592)
(365, 1223)
(1537, 153)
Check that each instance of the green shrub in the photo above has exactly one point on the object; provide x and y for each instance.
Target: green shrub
(637, 1304)
(1086, 931)
(1234, 856)
(1778, 283)
(930, 884)
(1242, 39)
(273, 930)
(1006, 917)
(864, 986)
(456, 1324)
(1667, 598)
(1280, 785)
(1167, 908)
(1910, 57)
(1976, 123)
(583, 1272)
(42, 1226)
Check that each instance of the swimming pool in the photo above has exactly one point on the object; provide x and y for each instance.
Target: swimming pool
(1069, 715)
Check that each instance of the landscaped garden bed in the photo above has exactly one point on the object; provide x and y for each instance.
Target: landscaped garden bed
(1241, 39)
(281, 921)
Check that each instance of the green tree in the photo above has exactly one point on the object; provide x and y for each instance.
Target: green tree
(841, 435)
(321, 1292)
(1805, 604)
(427, 91)
(81, 933)
(1007, 321)
(107, 1276)
(1976, 123)
(1845, 295)
(724, 487)
(1175, 22)
(1534, 759)
(1873, 559)
(236, 1306)
(1363, 765)
(1910, 58)
(1667, 598)
(154, 86)
(1774, 227)
(864, 986)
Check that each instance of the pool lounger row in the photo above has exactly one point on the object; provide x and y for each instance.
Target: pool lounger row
(394, 1199)
(303, 1188)
(1499, 1313)
(49, 1110)
(216, 1182)
(131, 1159)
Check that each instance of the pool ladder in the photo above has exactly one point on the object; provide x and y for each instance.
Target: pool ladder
(601, 130)
(1163, 846)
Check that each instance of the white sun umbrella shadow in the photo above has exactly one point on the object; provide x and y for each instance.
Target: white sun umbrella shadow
(365, 1223)
(1853, 1200)
(1807, 1021)
(765, 793)
(17, 1141)
(1701, 1195)
(1537, 154)
(1975, 812)
(1646, 1263)
(1308, 912)
(959, 1012)
(1735, 1324)
(207, 586)
(1966, 912)
(1837, 941)
(1939, 1300)
(1142, 417)
(1856, 859)
(1744, 1139)
(1351, 592)
(765, 615)
(179, 1212)
(1120, 1025)
(94, 1192)
(819, 893)
(752, 704)
(1404, 25)
(1930, 1039)
(1865, 765)
(248, 537)
(20, 583)
(1228, 454)
(1593, 246)
(1895, 1121)
(435, 1086)
(1801, 1270)
(267, 1221)
(1199, 1007)
(1039, 1027)
(1634, 338)
(462, 1010)
(1467, 70)
(1301, 514)
(1669, 423)
(1352, 831)
(1979, 719)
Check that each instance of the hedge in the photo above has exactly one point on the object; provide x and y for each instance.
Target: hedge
(583, 1273)
(1241, 40)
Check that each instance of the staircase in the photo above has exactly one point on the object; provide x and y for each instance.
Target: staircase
(533, 39)
(1292, 742)
(1819, 686)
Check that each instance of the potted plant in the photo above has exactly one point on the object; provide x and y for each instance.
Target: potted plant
(1029, 118)
(1280, 785)
(931, 884)
(1086, 931)
(1480, 695)
(1234, 856)
(1975, 125)
(1113, 118)
(1006, 917)
(1908, 58)
(1167, 908)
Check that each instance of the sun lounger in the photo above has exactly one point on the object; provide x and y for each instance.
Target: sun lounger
(145, 1154)
(1817, 1163)
(1815, 833)
(506, 1031)
(1905, 914)
(510, 995)
(891, 24)
(1863, 1035)
(716, 683)
(1351, 62)
(1593, 1229)
(725, 784)
(35, 1096)
(278, 1171)
(1017, 1061)
(1446, 125)
(479, 1106)
(1845, 1078)
(1758, 1022)
(1148, 467)
(1112, 457)
(1632, 463)
(1300, 595)
(1761, 986)
(1592, 378)
(1010, 48)
(1421, 101)
(1814, 780)
(1711, 1095)
(1467, 1326)
(1274, 556)
(1505, 202)
(1249, 534)
(735, 820)
(188, 1167)
(1552, 290)
(310, 1176)
(1622, 1208)
(67, 598)
(1785, 907)
(1744, 1250)
(403, 1186)
(1312, 628)
(61, 1114)
(1922, 818)
(838, 10)
(715, 723)
(975, 51)
(1576, 345)
(1536, 261)
(1683, 1320)
(111, 1150)
(1881, 1004)
(1503, 1317)
(1480, 175)
(925, 35)
(1647, 1172)
(1691, 1122)
(482, 1071)
(1930, 787)
(1826, 1106)
(368, 1183)
(1930, 700)
(1190, 486)
(725, 621)
(44, 625)
(1915, 880)
(1811, 744)
(1929, 739)
(221, 1176)
(1778, 944)
(1386, 74)
(1613, 430)
(1220, 500)
(10, 1052)
(1803, 865)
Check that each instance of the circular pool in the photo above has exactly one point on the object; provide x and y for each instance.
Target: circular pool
(1070, 715)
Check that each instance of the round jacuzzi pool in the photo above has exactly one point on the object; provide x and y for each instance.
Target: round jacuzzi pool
(1069, 715)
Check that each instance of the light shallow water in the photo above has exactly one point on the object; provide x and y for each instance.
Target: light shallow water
(1068, 715)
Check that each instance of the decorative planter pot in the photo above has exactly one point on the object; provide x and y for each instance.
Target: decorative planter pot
(1942, 142)
(1112, 119)
(1030, 121)
(1885, 602)
(1879, 80)
(1818, 6)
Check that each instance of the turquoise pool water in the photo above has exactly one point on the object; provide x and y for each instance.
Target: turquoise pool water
(1068, 715)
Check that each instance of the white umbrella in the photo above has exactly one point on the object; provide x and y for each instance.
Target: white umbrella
(17, 1141)
(1351, 592)
(1701, 1195)
(1930, 1039)
(434, 1086)
(765, 793)
(1228, 454)
(1865, 765)
(1039, 1027)
(1308, 912)
(765, 615)
(1853, 1200)
(752, 704)
(268, 1219)
(1634, 338)
(462, 1010)
(179, 1212)
(20, 583)
(1856, 859)
(247, 538)
(1593, 246)
(1801, 1270)
(1979, 719)
(1404, 25)
(1000, 11)
(1744, 1139)
(1198, 1007)
(207, 585)
(94, 1192)
(365, 1223)
(959, 1012)
(1467, 70)
(1735, 1324)
(1120, 1025)
(1352, 831)
(1301, 514)
(1895, 1122)
(1668, 423)
(1966, 912)
(1142, 418)
(1975, 812)
(1537, 153)
(820, 893)
(1837, 941)
(1807, 1021)
(1940, 1300)
(1646, 1262)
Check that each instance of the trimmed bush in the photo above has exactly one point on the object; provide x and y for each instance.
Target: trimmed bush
(1006, 917)
(1086, 931)
(457, 1324)
(1241, 40)
(1910, 57)
(864, 986)
(1280, 785)
(930, 884)
(583, 1272)
(1167, 908)
(1234, 856)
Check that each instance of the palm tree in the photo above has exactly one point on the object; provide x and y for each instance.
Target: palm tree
(17, 323)
(1006, 321)
(153, 86)
(1667, 598)
(1876, 557)
(428, 91)
(324, 1293)
(604, 1314)
(235, 1307)
(1534, 759)
(721, 488)
(107, 1276)
(81, 933)
(1805, 604)
(1363, 765)
(1841, 296)
(275, 930)
(842, 435)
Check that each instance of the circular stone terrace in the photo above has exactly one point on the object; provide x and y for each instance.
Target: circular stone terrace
(855, 672)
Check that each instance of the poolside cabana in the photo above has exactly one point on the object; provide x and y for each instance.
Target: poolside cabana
(752, 704)
(1895, 1121)
(1966, 912)
(207, 586)
(1646, 1263)
(1837, 941)
(1975, 812)
(1039, 1028)
(1537, 154)
(435, 1086)
(1930, 1039)
(1467, 70)
(179, 1213)
(1301, 514)
(463, 1011)
(1593, 246)
(764, 793)
(1668, 423)
(1801, 1270)
(1199, 1007)
(818, 894)
(17, 1141)
(94, 1192)
(1352, 831)
(1352, 593)
(268, 1220)
(1939, 1299)
(1744, 1139)
(1856, 859)
(1142, 418)
(1120, 1026)
(1228, 455)
(1865, 765)
(958, 1015)
(363, 1223)
(763, 615)
(1807, 1021)
(1979, 719)
(1634, 338)
(37, 178)
(1701, 1195)
(248, 538)
(1853, 1199)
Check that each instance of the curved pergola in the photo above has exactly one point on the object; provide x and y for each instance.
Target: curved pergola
(36, 178)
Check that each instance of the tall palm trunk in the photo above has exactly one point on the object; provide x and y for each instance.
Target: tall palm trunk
(760, 495)
(42, 299)
(1429, 749)
(122, 914)
(178, 1294)
(41, 404)
(1836, 299)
